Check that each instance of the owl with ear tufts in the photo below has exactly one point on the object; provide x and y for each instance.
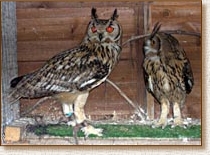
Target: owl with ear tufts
(70, 75)
(168, 74)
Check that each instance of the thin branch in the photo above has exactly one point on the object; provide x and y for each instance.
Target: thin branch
(134, 38)
(139, 109)
(180, 32)
(35, 105)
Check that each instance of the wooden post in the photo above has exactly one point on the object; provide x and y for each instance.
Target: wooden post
(139, 10)
(9, 112)
(149, 98)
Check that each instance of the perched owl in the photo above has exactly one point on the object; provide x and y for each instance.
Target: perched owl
(168, 74)
(70, 75)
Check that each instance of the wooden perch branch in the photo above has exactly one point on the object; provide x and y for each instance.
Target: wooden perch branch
(180, 32)
(134, 38)
(35, 105)
(137, 108)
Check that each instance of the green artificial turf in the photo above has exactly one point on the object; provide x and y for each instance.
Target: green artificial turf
(125, 131)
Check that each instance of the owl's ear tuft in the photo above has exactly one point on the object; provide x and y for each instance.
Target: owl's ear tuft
(155, 29)
(93, 13)
(115, 15)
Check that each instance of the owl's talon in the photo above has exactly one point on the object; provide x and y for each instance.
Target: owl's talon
(179, 122)
(160, 123)
(71, 123)
(181, 125)
(89, 129)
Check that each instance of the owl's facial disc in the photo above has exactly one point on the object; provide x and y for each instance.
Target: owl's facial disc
(151, 45)
(101, 30)
(104, 30)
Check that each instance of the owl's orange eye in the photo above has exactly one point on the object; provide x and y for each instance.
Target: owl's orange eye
(153, 42)
(109, 29)
(93, 29)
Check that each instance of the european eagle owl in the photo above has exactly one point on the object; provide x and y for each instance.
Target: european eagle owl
(168, 74)
(70, 75)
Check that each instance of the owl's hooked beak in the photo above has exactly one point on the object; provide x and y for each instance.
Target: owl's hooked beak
(100, 35)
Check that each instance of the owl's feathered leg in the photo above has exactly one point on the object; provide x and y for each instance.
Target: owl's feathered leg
(79, 114)
(178, 121)
(68, 105)
(162, 122)
(68, 110)
(80, 118)
(79, 104)
(73, 107)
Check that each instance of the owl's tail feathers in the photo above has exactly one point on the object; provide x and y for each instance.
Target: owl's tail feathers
(15, 81)
(14, 94)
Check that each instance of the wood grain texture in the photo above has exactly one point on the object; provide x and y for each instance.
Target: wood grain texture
(47, 28)
(9, 60)
(122, 150)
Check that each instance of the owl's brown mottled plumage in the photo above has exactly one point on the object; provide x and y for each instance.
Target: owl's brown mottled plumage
(70, 75)
(168, 74)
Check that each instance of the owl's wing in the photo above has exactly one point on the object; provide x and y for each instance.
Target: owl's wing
(70, 71)
(188, 77)
(146, 80)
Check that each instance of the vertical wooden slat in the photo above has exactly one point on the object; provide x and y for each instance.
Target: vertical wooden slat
(9, 112)
(150, 107)
(139, 11)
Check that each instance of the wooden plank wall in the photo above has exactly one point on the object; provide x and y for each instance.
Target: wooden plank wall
(47, 28)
